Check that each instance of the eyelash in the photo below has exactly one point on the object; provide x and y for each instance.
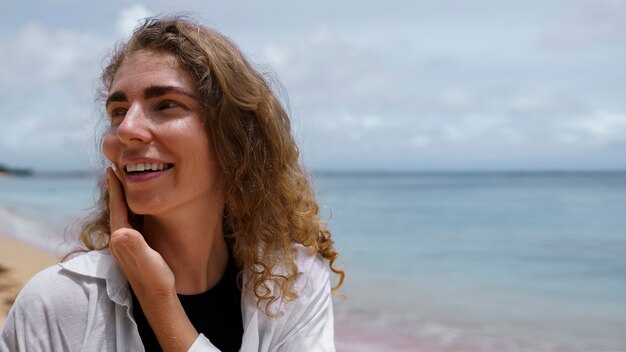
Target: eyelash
(168, 104)
(117, 114)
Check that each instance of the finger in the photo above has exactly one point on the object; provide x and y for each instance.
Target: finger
(143, 267)
(127, 239)
(118, 211)
(125, 245)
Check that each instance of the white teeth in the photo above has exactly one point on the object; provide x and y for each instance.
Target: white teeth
(145, 167)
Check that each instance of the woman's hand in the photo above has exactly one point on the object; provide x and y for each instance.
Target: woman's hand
(144, 268)
(149, 275)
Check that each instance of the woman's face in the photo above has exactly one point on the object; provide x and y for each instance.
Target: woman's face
(156, 138)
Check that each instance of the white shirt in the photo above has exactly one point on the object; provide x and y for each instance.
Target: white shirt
(84, 304)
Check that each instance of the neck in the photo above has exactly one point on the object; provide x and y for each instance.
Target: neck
(192, 244)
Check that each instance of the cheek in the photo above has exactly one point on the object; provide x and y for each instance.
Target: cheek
(110, 145)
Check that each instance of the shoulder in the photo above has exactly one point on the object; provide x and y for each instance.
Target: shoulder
(306, 323)
(313, 271)
(48, 284)
(41, 309)
(312, 285)
(65, 287)
(51, 291)
(54, 310)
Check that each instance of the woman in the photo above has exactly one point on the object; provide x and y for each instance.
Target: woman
(207, 235)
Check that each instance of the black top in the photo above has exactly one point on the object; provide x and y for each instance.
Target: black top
(215, 313)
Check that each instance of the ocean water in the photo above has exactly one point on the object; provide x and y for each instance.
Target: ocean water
(482, 261)
(44, 210)
(494, 261)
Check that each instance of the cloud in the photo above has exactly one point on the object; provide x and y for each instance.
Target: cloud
(587, 25)
(129, 18)
(46, 55)
(359, 105)
(324, 69)
(368, 85)
(543, 103)
(47, 96)
(599, 128)
(457, 99)
(48, 93)
(419, 140)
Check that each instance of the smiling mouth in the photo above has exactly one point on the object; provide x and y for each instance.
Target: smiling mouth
(142, 168)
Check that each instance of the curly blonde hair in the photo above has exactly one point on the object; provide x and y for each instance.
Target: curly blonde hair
(269, 202)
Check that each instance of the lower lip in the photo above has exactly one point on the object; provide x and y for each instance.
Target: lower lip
(134, 178)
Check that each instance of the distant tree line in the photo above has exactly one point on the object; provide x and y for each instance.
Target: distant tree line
(13, 171)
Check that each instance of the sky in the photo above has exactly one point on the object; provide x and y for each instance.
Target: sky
(371, 85)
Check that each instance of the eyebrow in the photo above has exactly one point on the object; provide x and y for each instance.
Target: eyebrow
(157, 91)
(149, 93)
(116, 97)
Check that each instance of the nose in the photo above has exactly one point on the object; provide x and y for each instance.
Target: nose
(135, 127)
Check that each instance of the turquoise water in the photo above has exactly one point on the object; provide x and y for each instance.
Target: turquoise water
(541, 256)
(472, 261)
(44, 210)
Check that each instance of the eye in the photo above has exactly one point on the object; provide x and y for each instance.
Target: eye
(116, 115)
(168, 104)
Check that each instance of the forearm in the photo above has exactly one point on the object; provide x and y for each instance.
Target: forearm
(170, 323)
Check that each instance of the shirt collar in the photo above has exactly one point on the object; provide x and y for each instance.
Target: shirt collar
(100, 264)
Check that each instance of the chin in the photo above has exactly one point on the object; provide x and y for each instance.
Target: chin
(145, 206)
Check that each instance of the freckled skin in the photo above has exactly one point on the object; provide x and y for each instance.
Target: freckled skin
(167, 128)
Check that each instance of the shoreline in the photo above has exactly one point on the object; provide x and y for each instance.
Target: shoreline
(19, 261)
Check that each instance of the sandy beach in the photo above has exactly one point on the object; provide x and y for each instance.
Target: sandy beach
(18, 263)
